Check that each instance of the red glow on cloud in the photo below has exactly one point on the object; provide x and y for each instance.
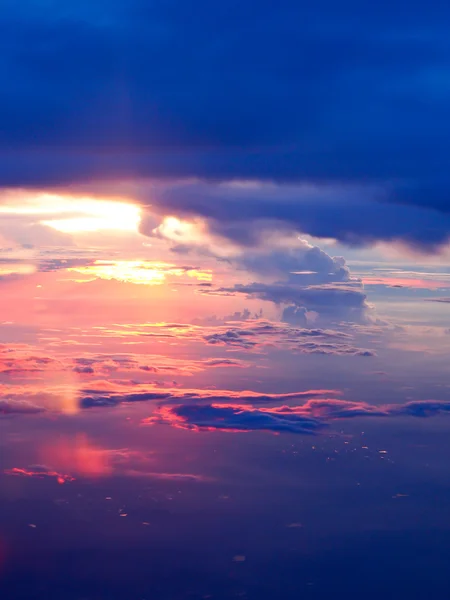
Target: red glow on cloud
(61, 478)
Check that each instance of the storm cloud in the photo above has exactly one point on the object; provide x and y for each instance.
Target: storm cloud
(341, 109)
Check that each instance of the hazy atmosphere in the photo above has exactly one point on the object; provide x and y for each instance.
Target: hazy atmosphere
(224, 300)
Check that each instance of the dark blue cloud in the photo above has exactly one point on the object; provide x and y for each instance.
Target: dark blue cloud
(355, 214)
(308, 419)
(315, 79)
(289, 91)
(239, 418)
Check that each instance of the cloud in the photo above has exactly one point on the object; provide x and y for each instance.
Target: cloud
(243, 315)
(265, 250)
(92, 398)
(307, 279)
(337, 409)
(308, 419)
(208, 409)
(296, 315)
(424, 408)
(18, 407)
(351, 213)
(74, 457)
(259, 333)
(241, 103)
(27, 232)
(237, 331)
(43, 472)
(231, 337)
(301, 261)
(49, 265)
(235, 418)
(39, 472)
(23, 360)
(443, 300)
(224, 362)
(83, 370)
(333, 302)
(341, 409)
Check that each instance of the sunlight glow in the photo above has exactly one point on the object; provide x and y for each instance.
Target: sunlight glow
(69, 214)
(77, 455)
(16, 269)
(102, 215)
(175, 229)
(139, 271)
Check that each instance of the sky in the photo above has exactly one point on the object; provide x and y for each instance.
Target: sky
(224, 300)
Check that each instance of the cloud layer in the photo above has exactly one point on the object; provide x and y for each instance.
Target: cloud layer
(92, 398)
(255, 334)
(346, 105)
(307, 419)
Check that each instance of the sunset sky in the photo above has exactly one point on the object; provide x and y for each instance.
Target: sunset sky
(224, 300)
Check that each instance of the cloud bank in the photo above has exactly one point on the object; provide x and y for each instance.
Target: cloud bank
(308, 419)
(341, 109)
(92, 398)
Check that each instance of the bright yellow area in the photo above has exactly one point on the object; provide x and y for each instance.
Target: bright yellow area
(139, 271)
(100, 215)
(70, 214)
(175, 229)
(16, 269)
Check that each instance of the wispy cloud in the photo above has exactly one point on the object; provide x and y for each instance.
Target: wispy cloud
(92, 398)
(19, 407)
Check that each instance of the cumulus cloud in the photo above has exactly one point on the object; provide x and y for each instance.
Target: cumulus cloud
(296, 260)
(296, 315)
(263, 250)
(297, 274)
(332, 302)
